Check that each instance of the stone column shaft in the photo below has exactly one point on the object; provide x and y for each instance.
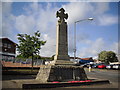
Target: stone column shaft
(62, 42)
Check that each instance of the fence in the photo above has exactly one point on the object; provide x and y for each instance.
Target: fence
(22, 63)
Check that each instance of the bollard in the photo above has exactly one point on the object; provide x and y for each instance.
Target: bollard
(90, 69)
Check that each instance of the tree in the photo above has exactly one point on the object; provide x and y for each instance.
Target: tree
(107, 56)
(29, 45)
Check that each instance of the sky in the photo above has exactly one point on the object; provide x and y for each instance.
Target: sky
(92, 36)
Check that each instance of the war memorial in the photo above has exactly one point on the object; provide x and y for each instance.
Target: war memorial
(62, 71)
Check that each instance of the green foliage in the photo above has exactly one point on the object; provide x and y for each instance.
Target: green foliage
(107, 56)
(30, 57)
(29, 45)
(19, 56)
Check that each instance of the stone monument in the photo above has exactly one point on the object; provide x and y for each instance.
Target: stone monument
(62, 69)
(62, 38)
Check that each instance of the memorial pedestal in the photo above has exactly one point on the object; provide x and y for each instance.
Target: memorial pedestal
(61, 73)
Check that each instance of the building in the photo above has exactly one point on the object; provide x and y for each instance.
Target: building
(7, 49)
(81, 60)
(86, 60)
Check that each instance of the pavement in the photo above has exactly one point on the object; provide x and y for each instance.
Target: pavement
(16, 81)
(18, 84)
(111, 75)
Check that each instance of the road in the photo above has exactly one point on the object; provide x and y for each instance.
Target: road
(11, 81)
(111, 75)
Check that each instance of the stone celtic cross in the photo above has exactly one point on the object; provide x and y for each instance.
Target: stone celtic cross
(61, 14)
(62, 38)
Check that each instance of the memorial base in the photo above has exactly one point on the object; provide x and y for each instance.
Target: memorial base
(61, 73)
(62, 57)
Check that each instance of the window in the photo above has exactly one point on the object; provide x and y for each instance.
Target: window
(9, 45)
(5, 44)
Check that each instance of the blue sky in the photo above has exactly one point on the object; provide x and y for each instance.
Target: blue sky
(92, 36)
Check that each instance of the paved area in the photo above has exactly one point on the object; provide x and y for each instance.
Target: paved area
(111, 75)
(18, 84)
(16, 81)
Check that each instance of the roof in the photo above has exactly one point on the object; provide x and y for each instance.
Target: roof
(7, 39)
(115, 63)
(90, 58)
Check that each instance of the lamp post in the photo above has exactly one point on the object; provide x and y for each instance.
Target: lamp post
(75, 34)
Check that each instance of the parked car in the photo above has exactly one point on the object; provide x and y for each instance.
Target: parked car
(101, 66)
(109, 66)
(116, 66)
(96, 65)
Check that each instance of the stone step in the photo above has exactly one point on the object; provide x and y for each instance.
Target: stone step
(63, 62)
(43, 73)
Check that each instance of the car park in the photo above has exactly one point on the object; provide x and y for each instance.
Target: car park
(113, 66)
(116, 66)
(109, 66)
(101, 66)
(96, 65)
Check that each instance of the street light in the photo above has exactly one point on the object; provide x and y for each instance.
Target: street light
(75, 34)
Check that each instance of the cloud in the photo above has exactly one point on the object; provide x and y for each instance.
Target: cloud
(42, 18)
(95, 47)
(60, 1)
(77, 10)
(105, 20)
(49, 48)
(7, 20)
(25, 24)
(1, 19)
(6, 8)
(35, 18)
(92, 49)
(118, 47)
(80, 38)
(114, 47)
(97, 10)
(100, 8)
